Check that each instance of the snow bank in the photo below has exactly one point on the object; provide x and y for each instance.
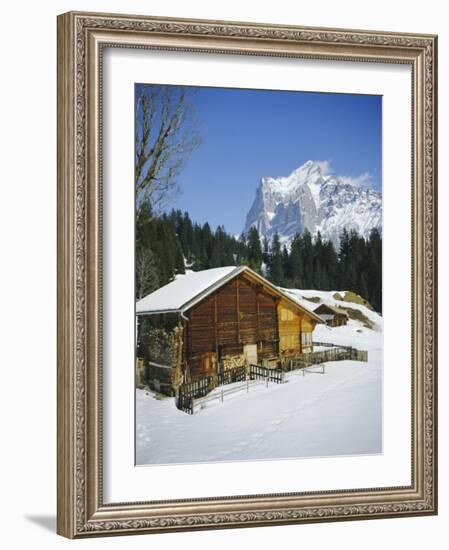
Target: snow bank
(327, 297)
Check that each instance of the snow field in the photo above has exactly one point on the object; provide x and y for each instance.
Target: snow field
(332, 414)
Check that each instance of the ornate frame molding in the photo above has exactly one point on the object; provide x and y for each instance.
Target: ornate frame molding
(81, 37)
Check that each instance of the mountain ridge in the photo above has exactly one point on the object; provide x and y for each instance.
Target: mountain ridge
(313, 199)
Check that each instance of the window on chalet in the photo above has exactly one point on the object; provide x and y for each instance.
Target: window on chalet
(286, 315)
(306, 339)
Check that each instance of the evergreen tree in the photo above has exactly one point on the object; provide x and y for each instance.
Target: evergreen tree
(275, 262)
(144, 226)
(242, 250)
(307, 256)
(374, 270)
(318, 267)
(196, 244)
(217, 254)
(330, 262)
(185, 234)
(166, 242)
(254, 250)
(286, 267)
(344, 260)
(179, 258)
(207, 242)
(296, 262)
(363, 289)
(266, 250)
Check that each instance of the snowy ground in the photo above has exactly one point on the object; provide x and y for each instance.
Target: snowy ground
(336, 413)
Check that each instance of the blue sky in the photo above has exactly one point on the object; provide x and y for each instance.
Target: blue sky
(248, 134)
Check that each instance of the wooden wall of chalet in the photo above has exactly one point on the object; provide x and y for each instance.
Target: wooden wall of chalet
(307, 325)
(292, 323)
(289, 329)
(334, 317)
(338, 320)
(237, 314)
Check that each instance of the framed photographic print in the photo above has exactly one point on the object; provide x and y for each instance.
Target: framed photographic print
(246, 274)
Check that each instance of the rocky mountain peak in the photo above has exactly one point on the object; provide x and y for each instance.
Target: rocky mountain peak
(310, 198)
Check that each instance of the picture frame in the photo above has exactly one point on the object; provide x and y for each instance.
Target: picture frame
(82, 40)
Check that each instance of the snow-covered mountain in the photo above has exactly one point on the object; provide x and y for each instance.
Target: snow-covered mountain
(311, 199)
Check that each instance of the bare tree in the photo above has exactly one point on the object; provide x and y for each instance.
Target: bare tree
(166, 133)
(146, 272)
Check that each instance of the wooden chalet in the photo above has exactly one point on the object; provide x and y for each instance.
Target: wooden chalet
(332, 316)
(221, 319)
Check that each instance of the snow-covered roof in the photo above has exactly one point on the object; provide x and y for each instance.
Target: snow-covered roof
(177, 295)
(188, 289)
(293, 295)
(334, 309)
(327, 316)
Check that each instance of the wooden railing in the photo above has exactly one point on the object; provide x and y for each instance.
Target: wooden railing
(192, 390)
(334, 353)
(196, 389)
(229, 376)
(194, 395)
(257, 376)
(220, 395)
(273, 375)
(327, 345)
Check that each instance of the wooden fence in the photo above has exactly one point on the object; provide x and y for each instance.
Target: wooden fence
(221, 395)
(194, 395)
(334, 353)
(196, 389)
(192, 390)
(258, 378)
(229, 376)
(327, 345)
(273, 375)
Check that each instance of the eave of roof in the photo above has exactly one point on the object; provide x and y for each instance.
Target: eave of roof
(333, 309)
(278, 292)
(212, 288)
(178, 294)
